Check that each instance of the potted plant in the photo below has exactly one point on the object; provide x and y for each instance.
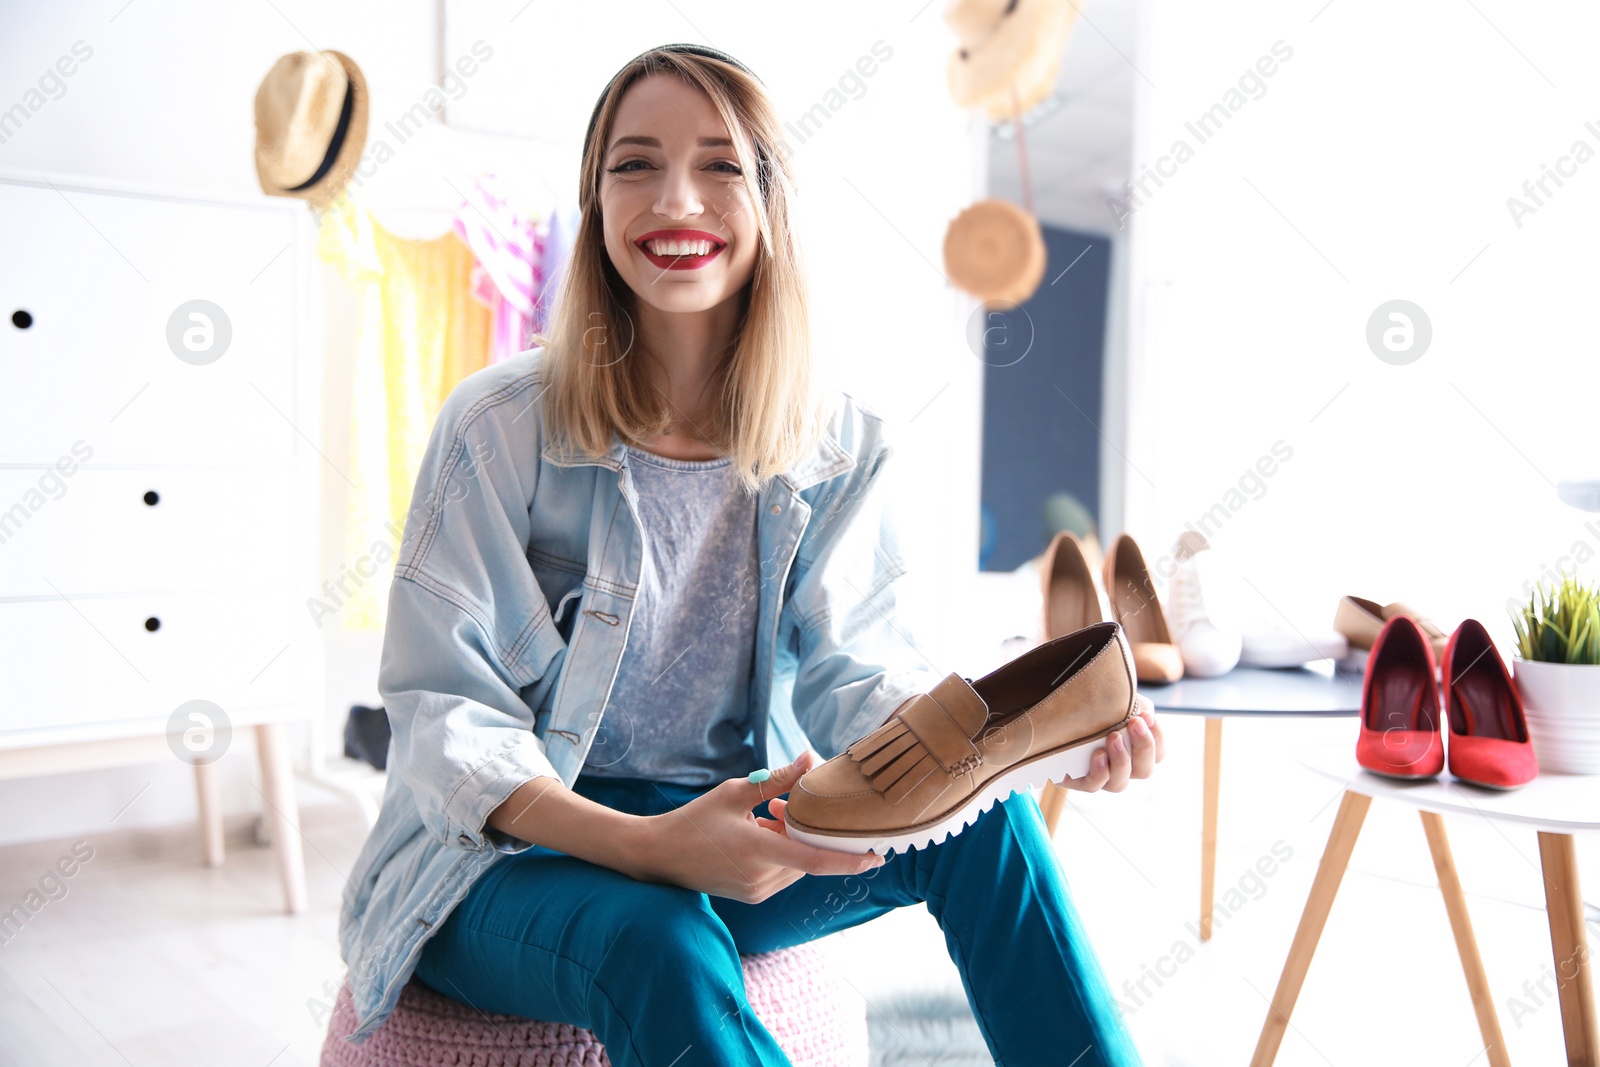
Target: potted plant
(1557, 672)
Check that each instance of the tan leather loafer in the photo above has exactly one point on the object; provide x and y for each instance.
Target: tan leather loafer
(945, 756)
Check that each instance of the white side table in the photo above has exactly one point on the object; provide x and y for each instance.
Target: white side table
(1557, 805)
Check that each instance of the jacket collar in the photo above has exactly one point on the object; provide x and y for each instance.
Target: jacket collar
(826, 460)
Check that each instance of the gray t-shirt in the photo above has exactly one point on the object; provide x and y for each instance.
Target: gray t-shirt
(678, 708)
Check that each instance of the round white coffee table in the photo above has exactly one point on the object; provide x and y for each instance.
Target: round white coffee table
(1248, 692)
(1556, 805)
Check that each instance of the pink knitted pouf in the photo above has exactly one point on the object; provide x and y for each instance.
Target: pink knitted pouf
(794, 992)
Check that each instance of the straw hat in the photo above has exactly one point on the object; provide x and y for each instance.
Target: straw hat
(1005, 46)
(994, 251)
(311, 125)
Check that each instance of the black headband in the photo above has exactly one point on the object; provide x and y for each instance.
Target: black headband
(692, 49)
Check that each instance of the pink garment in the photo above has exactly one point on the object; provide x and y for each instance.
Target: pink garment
(509, 275)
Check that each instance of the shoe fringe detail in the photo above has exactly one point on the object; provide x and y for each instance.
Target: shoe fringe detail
(882, 744)
(895, 758)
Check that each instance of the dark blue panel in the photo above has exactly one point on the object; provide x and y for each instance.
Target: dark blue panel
(1041, 410)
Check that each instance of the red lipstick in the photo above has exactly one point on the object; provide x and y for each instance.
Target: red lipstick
(681, 248)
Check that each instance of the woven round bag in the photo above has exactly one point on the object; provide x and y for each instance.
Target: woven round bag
(994, 251)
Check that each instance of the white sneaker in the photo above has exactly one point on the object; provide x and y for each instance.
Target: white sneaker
(1278, 646)
(1200, 609)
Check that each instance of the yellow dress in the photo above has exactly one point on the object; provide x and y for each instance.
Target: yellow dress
(419, 331)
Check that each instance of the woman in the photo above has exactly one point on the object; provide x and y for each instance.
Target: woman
(654, 516)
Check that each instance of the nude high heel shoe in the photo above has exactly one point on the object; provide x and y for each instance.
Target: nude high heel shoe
(1360, 621)
(1071, 600)
(1136, 608)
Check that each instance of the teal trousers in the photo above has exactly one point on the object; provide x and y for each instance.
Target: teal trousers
(654, 969)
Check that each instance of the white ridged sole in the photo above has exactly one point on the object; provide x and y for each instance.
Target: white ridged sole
(1068, 763)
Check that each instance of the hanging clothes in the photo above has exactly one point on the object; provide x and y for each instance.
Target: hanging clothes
(560, 231)
(419, 332)
(509, 274)
(520, 260)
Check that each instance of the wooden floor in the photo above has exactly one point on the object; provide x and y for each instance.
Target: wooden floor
(150, 959)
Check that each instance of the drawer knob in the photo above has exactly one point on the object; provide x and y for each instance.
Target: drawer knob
(152, 497)
(152, 624)
(21, 319)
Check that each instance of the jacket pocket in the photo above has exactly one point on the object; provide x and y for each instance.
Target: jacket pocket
(561, 581)
(564, 623)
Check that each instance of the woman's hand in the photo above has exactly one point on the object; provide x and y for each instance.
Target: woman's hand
(1111, 766)
(716, 844)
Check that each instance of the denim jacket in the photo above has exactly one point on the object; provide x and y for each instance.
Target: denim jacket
(513, 589)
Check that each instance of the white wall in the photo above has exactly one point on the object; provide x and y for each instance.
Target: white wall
(1376, 165)
(165, 98)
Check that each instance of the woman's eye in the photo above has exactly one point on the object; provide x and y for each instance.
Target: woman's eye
(628, 166)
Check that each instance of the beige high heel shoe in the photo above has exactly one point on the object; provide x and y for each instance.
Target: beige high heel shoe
(1135, 606)
(1071, 600)
(1361, 620)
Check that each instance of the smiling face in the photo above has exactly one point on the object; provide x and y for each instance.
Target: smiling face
(679, 224)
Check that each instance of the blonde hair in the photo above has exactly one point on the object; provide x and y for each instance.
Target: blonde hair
(768, 413)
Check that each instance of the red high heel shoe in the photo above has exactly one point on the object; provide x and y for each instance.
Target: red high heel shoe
(1488, 735)
(1400, 734)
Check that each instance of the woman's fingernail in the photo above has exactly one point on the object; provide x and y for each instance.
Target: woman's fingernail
(1139, 725)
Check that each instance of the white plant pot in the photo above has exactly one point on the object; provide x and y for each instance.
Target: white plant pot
(1566, 693)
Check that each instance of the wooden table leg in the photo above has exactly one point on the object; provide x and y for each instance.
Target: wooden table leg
(1466, 943)
(1330, 871)
(1208, 824)
(1568, 940)
(1052, 802)
(208, 788)
(283, 813)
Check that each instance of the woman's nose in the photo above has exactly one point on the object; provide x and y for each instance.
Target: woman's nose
(679, 198)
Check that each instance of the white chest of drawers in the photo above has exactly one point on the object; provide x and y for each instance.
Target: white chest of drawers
(160, 489)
